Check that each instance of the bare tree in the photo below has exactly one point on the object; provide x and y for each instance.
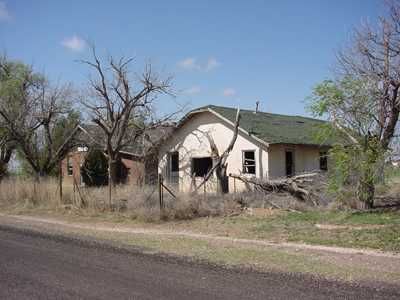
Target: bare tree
(220, 165)
(37, 117)
(374, 57)
(6, 150)
(121, 106)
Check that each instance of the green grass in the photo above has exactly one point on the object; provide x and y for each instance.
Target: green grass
(380, 230)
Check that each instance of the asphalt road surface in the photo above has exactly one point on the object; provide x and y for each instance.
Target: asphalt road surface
(35, 266)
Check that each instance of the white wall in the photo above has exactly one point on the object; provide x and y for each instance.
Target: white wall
(306, 158)
(191, 141)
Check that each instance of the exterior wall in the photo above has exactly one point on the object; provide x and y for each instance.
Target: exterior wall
(135, 171)
(76, 158)
(306, 158)
(192, 140)
(134, 168)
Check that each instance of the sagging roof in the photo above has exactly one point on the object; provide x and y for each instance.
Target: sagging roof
(271, 128)
(92, 134)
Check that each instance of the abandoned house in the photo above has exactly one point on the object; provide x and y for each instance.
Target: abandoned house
(267, 146)
(87, 164)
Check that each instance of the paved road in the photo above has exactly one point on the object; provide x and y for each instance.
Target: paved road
(34, 266)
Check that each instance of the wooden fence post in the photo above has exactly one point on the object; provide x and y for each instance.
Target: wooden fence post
(74, 192)
(205, 190)
(160, 193)
(60, 183)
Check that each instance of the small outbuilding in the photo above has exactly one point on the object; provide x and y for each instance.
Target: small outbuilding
(137, 165)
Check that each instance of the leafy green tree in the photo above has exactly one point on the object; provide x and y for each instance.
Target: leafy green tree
(358, 152)
(37, 116)
(363, 103)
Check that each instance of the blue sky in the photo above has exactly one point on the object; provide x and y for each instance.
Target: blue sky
(219, 52)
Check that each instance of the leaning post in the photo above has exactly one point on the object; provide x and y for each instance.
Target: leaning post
(160, 193)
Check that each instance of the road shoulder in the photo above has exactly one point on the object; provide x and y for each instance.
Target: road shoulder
(334, 263)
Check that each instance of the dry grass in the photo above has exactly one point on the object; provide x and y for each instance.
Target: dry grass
(133, 201)
(28, 193)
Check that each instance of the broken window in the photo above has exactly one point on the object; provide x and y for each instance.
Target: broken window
(70, 169)
(201, 166)
(323, 161)
(249, 162)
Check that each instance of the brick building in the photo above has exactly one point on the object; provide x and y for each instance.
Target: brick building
(138, 163)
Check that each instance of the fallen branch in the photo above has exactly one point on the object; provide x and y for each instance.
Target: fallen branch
(294, 185)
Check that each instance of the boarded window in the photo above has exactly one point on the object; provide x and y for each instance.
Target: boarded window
(323, 161)
(70, 169)
(249, 162)
(201, 166)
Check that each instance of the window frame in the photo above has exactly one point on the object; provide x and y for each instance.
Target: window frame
(192, 165)
(244, 166)
(323, 155)
(171, 155)
(70, 167)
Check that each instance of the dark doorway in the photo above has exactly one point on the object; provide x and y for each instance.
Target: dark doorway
(289, 162)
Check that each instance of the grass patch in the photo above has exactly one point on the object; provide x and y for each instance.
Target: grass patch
(355, 230)
(376, 230)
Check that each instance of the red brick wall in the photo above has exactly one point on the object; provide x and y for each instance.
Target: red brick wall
(136, 170)
(76, 159)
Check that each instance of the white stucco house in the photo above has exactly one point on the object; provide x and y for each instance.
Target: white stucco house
(268, 146)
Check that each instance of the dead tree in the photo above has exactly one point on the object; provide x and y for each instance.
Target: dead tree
(220, 161)
(6, 150)
(120, 106)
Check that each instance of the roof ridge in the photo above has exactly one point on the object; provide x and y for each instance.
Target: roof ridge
(260, 112)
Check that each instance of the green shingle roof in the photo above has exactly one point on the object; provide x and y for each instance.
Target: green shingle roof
(274, 128)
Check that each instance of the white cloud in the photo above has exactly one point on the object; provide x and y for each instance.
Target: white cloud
(74, 43)
(192, 63)
(192, 91)
(229, 92)
(4, 12)
(212, 63)
(189, 63)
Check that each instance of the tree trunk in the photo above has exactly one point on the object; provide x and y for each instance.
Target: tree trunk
(60, 183)
(366, 188)
(112, 178)
(3, 170)
(371, 156)
(222, 179)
